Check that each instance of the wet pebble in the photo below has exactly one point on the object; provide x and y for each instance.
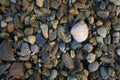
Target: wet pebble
(53, 74)
(40, 40)
(67, 60)
(99, 23)
(118, 51)
(44, 28)
(91, 57)
(3, 24)
(31, 39)
(13, 1)
(25, 50)
(91, 20)
(102, 32)
(79, 31)
(88, 47)
(92, 67)
(117, 26)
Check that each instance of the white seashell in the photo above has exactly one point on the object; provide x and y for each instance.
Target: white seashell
(79, 31)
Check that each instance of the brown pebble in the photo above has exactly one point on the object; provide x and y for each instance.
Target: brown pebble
(103, 14)
(10, 27)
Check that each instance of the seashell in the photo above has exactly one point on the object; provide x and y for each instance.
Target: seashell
(79, 31)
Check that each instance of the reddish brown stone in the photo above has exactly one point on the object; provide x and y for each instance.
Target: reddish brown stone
(17, 70)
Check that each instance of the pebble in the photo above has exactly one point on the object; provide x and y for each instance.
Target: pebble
(10, 27)
(17, 70)
(4, 67)
(44, 28)
(102, 32)
(25, 50)
(45, 57)
(28, 65)
(53, 74)
(40, 3)
(71, 78)
(103, 14)
(62, 47)
(88, 47)
(115, 37)
(107, 39)
(34, 48)
(91, 57)
(116, 2)
(63, 20)
(117, 26)
(52, 35)
(55, 24)
(74, 45)
(67, 60)
(35, 76)
(3, 24)
(91, 20)
(79, 55)
(13, 1)
(100, 41)
(29, 31)
(103, 73)
(117, 11)
(92, 67)
(24, 58)
(79, 31)
(118, 51)
(35, 59)
(99, 23)
(98, 52)
(6, 51)
(31, 39)
(54, 4)
(40, 40)
(72, 54)
(111, 72)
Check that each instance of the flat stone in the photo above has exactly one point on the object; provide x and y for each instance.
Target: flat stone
(6, 52)
(79, 31)
(40, 40)
(62, 47)
(44, 28)
(4, 67)
(67, 60)
(25, 50)
(103, 14)
(102, 32)
(17, 70)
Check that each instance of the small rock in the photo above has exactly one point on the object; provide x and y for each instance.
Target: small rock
(54, 4)
(10, 27)
(79, 55)
(115, 37)
(75, 45)
(102, 32)
(116, 2)
(107, 39)
(63, 20)
(34, 48)
(17, 70)
(25, 51)
(92, 67)
(9, 18)
(79, 31)
(117, 11)
(72, 54)
(103, 14)
(6, 52)
(27, 20)
(40, 40)
(55, 24)
(100, 41)
(91, 57)
(44, 29)
(24, 58)
(4, 67)
(99, 23)
(35, 59)
(13, 1)
(67, 60)
(102, 5)
(35, 76)
(28, 65)
(3, 24)
(91, 20)
(106, 58)
(103, 73)
(88, 47)
(111, 72)
(98, 52)
(40, 3)
(118, 51)
(71, 78)
(62, 47)
(52, 35)
(31, 39)
(53, 74)
(29, 31)
(117, 26)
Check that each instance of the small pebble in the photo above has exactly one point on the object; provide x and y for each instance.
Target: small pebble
(118, 51)
(10, 27)
(91, 20)
(88, 47)
(53, 74)
(99, 23)
(55, 24)
(72, 53)
(52, 35)
(31, 39)
(92, 67)
(91, 57)
(34, 48)
(71, 78)
(74, 45)
(40, 3)
(39, 40)
(102, 32)
(103, 14)
(62, 47)
(44, 28)
(116, 2)
(28, 65)
(79, 31)
(13, 1)
(103, 73)
(3, 24)
(107, 39)
(115, 37)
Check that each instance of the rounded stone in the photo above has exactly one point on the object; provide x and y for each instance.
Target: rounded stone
(88, 47)
(53, 74)
(118, 51)
(102, 32)
(91, 57)
(79, 31)
(92, 67)
(32, 39)
(28, 65)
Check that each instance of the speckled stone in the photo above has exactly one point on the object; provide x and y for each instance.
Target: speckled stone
(79, 31)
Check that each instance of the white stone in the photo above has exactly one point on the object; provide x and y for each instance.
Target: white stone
(32, 39)
(3, 24)
(79, 31)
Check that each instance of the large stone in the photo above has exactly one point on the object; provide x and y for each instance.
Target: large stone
(116, 2)
(79, 31)
(6, 52)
